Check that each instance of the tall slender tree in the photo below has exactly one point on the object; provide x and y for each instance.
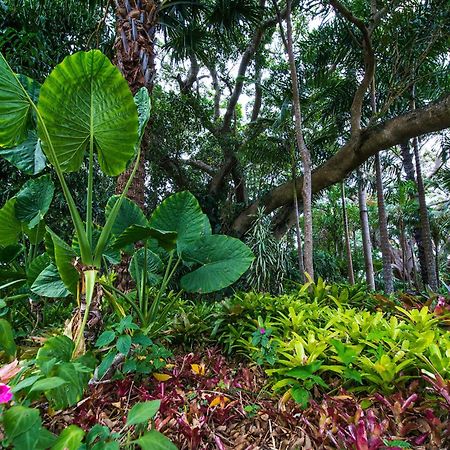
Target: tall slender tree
(300, 140)
(365, 231)
(348, 248)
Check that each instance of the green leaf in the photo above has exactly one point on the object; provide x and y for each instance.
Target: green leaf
(84, 99)
(65, 256)
(10, 253)
(34, 199)
(70, 439)
(36, 266)
(31, 86)
(76, 375)
(10, 228)
(7, 343)
(346, 353)
(36, 234)
(304, 372)
(45, 439)
(15, 108)
(129, 214)
(142, 100)
(124, 344)
(135, 233)
(49, 284)
(143, 412)
(22, 425)
(47, 384)
(223, 260)
(105, 339)
(300, 395)
(154, 267)
(106, 363)
(154, 440)
(58, 347)
(182, 214)
(26, 156)
(26, 383)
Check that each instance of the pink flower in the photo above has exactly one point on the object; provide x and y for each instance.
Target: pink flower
(5, 393)
(262, 330)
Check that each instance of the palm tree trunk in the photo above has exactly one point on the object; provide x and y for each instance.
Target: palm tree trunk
(351, 275)
(365, 230)
(384, 235)
(135, 57)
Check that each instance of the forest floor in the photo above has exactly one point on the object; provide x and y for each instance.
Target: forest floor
(212, 402)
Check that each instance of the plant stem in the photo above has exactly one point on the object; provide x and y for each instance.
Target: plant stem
(90, 189)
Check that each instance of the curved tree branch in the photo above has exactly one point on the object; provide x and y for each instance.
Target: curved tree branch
(434, 117)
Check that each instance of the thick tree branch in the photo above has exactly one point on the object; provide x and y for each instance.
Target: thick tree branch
(434, 117)
(243, 66)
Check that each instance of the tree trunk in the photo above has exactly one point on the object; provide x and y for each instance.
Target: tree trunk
(384, 236)
(365, 230)
(135, 57)
(425, 224)
(304, 152)
(351, 275)
(410, 172)
(301, 266)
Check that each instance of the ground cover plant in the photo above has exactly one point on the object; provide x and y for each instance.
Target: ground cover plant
(224, 225)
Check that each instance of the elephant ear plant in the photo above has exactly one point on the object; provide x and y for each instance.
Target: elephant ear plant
(84, 107)
(211, 262)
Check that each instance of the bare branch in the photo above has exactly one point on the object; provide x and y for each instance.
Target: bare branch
(199, 165)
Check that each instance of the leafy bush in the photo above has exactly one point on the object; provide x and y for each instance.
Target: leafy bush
(318, 328)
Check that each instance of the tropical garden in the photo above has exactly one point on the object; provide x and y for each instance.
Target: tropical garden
(224, 224)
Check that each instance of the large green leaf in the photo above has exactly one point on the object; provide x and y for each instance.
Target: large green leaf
(7, 343)
(64, 256)
(223, 260)
(135, 233)
(129, 214)
(84, 99)
(180, 213)
(22, 426)
(15, 108)
(34, 199)
(154, 266)
(10, 228)
(49, 284)
(26, 156)
(36, 267)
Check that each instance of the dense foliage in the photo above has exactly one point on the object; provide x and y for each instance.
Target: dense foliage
(224, 224)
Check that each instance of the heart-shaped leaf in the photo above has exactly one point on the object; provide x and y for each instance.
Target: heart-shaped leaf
(85, 100)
